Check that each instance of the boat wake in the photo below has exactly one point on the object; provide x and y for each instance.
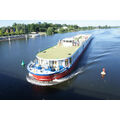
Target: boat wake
(70, 76)
(75, 73)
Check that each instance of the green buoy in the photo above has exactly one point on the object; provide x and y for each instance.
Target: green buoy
(23, 64)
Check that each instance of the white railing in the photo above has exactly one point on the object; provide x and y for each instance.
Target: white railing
(29, 65)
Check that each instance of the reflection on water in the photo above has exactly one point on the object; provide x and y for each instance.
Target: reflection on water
(85, 82)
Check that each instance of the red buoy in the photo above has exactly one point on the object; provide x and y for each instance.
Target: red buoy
(103, 72)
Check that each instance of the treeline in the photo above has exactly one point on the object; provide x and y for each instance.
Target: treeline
(48, 28)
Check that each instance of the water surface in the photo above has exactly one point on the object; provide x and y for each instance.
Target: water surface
(84, 83)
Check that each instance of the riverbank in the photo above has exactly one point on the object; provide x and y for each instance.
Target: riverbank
(23, 36)
(14, 37)
(42, 33)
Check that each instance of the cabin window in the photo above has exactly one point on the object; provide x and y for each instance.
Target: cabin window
(47, 63)
(60, 62)
(70, 60)
(38, 61)
(41, 62)
(50, 63)
(55, 62)
(66, 62)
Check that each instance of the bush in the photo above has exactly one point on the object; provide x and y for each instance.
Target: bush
(50, 31)
(1, 34)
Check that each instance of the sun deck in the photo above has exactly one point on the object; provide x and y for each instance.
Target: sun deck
(57, 52)
(64, 49)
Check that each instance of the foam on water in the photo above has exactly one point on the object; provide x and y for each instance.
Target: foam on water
(73, 74)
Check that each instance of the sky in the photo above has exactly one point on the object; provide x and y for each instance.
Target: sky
(78, 22)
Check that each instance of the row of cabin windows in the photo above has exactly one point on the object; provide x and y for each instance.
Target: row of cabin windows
(60, 62)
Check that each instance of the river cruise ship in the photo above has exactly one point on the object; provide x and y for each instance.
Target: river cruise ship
(55, 63)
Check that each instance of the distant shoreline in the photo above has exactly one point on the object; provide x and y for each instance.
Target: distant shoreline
(13, 37)
(17, 37)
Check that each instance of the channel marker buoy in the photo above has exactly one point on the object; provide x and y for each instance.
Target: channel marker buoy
(22, 64)
(103, 72)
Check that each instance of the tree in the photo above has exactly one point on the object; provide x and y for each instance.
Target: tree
(17, 32)
(37, 27)
(26, 31)
(3, 29)
(12, 33)
(32, 27)
(75, 26)
(21, 31)
(1, 34)
(42, 29)
(6, 33)
(61, 30)
(50, 31)
(14, 25)
(49, 28)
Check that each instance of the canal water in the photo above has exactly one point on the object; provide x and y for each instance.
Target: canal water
(85, 83)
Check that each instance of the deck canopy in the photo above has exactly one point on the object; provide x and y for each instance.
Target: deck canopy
(64, 49)
(57, 52)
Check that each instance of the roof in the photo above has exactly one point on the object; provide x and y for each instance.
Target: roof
(57, 52)
(61, 52)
